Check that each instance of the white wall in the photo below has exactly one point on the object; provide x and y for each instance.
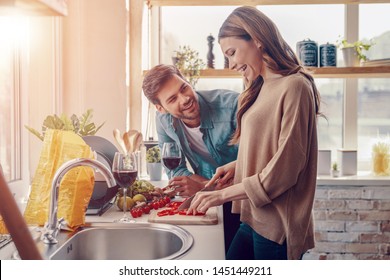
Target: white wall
(86, 69)
(94, 60)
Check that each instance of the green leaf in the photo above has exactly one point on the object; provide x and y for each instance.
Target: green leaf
(75, 123)
(68, 125)
(35, 132)
(53, 122)
(82, 126)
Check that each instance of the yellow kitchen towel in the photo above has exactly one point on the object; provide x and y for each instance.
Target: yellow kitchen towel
(76, 186)
(3, 228)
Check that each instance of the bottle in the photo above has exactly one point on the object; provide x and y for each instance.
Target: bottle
(142, 162)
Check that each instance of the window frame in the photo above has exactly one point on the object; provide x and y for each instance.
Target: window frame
(20, 162)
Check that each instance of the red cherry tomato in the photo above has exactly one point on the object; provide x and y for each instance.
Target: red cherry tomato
(139, 212)
(161, 203)
(146, 209)
(155, 205)
(167, 199)
(134, 213)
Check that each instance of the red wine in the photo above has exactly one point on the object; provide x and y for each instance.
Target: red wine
(171, 162)
(125, 178)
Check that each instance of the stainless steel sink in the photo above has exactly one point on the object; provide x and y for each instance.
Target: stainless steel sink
(113, 241)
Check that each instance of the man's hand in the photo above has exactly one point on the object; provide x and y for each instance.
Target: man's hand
(223, 176)
(187, 185)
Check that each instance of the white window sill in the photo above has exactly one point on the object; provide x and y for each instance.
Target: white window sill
(361, 179)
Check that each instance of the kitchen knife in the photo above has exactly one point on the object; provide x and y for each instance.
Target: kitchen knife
(186, 203)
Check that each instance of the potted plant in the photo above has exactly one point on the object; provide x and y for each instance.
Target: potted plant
(353, 53)
(188, 62)
(335, 170)
(82, 125)
(153, 161)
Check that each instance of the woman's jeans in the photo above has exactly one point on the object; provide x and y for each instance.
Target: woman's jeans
(248, 245)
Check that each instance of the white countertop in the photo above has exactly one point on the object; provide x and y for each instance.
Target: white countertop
(361, 179)
(208, 239)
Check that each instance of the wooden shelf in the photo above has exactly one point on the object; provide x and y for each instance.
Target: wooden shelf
(254, 2)
(351, 72)
(323, 72)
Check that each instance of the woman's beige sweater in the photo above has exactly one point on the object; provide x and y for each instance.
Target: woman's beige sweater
(277, 163)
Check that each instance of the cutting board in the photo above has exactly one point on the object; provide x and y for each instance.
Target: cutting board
(211, 218)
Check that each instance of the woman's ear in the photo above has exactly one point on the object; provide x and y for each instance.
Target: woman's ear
(257, 43)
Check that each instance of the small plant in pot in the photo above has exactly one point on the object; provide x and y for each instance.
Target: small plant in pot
(153, 161)
(188, 62)
(354, 53)
(335, 170)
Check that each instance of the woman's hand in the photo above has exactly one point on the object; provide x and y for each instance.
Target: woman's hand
(204, 200)
(224, 176)
(185, 186)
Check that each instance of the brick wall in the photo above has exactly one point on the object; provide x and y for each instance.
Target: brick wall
(351, 222)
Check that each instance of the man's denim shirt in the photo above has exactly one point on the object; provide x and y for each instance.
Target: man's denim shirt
(218, 110)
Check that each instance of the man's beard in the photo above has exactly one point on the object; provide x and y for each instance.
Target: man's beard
(193, 115)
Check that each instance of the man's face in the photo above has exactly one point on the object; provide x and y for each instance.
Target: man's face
(179, 99)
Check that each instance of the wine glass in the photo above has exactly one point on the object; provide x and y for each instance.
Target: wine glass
(124, 169)
(171, 155)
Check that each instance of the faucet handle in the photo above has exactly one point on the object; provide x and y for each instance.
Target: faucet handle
(49, 235)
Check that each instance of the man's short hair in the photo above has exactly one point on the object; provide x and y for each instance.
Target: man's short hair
(156, 78)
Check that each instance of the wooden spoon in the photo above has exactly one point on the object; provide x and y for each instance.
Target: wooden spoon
(119, 140)
(132, 135)
(128, 144)
(137, 141)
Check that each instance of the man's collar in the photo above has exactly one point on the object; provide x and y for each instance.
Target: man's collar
(205, 120)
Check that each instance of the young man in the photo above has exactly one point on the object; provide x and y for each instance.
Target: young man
(201, 123)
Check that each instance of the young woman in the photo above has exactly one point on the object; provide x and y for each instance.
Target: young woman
(275, 171)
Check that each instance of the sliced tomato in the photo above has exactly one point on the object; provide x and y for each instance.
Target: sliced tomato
(164, 212)
(167, 211)
(174, 204)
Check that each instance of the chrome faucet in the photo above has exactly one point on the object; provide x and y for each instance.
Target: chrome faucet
(53, 226)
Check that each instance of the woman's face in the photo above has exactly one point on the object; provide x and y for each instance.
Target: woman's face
(244, 56)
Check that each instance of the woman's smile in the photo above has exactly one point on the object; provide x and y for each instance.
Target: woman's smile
(242, 69)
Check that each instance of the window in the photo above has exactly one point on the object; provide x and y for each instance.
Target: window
(373, 94)
(193, 31)
(321, 23)
(13, 36)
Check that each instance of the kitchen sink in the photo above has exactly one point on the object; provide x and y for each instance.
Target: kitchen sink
(115, 241)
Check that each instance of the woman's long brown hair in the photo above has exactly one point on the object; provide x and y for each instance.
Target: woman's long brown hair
(248, 23)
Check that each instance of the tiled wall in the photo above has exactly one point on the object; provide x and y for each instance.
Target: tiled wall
(351, 222)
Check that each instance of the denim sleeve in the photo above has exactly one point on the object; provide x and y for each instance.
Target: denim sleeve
(181, 170)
